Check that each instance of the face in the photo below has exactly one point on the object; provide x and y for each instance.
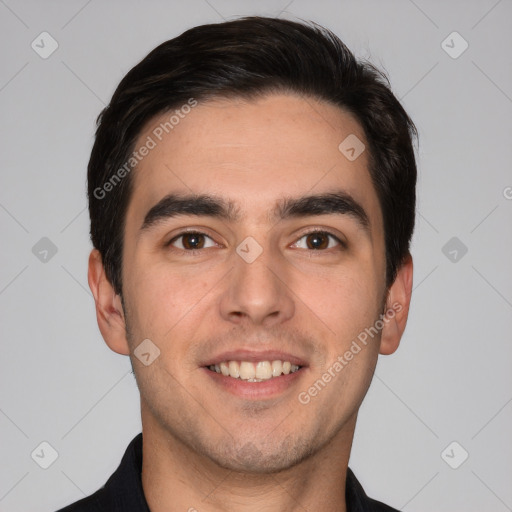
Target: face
(227, 262)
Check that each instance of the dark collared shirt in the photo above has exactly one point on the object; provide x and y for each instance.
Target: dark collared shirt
(123, 490)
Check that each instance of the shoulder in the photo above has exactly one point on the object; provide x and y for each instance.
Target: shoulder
(91, 503)
(377, 506)
(122, 491)
(358, 501)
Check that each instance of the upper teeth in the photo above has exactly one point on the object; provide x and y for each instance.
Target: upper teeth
(254, 372)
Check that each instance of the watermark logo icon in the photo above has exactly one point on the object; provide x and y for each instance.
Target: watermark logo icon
(454, 250)
(249, 453)
(44, 455)
(454, 455)
(146, 352)
(44, 250)
(44, 45)
(454, 45)
(249, 249)
(352, 147)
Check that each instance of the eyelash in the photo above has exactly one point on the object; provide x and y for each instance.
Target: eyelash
(313, 231)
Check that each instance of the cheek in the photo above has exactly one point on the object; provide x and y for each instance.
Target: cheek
(166, 301)
(346, 299)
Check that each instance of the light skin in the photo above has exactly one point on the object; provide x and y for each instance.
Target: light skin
(307, 295)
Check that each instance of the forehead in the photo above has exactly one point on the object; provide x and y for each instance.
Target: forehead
(252, 153)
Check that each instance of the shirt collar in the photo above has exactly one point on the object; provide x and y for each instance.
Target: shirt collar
(123, 490)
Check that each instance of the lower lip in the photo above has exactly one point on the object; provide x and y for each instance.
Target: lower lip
(255, 390)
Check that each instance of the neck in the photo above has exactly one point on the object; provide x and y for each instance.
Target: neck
(177, 478)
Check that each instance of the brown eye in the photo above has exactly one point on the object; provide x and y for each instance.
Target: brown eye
(317, 240)
(191, 241)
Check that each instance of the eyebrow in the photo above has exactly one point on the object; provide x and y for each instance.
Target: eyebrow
(338, 203)
(199, 205)
(203, 205)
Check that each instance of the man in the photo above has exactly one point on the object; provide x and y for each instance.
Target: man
(252, 199)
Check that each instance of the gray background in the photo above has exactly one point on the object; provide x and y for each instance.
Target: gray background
(450, 380)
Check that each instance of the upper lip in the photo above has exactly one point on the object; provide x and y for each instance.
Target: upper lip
(255, 356)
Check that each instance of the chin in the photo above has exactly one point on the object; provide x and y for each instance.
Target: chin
(249, 457)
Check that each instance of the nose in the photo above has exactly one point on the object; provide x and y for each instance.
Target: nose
(257, 292)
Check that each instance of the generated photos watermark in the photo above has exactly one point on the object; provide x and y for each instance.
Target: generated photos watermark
(343, 360)
(151, 142)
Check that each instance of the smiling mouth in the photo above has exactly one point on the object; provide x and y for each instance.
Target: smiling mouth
(254, 371)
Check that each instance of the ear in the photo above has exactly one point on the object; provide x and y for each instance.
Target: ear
(397, 308)
(109, 310)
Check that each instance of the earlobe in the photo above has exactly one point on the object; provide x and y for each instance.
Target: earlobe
(109, 310)
(397, 308)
